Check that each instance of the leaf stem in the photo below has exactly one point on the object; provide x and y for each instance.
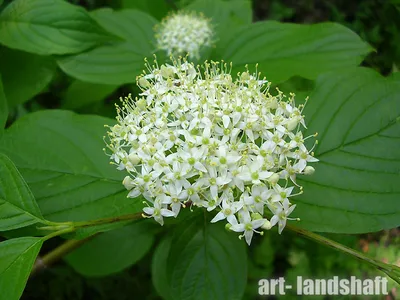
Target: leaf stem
(391, 270)
(58, 227)
(70, 245)
(129, 217)
(59, 232)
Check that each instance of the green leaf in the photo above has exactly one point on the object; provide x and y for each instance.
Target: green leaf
(226, 15)
(113, 251)
(285, 50)
(18, 206)
(355, 188)
(17, 257)
(131, 25)
(116, 64)
(24, 75)
(65, 166)
(159, 268)
(49, 27)
(81, 93)
(3, 107)
(201, 257)
(120, 62)
(156, 8)
(395, 75)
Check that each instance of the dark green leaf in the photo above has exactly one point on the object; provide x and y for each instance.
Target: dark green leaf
(355, 188)
(159, 268)
(206, 262)
(117, 64)
(120, 62)
(131, 25)
(113, 251)
(49, 27)
(65, 166)
(18, 207)
(17, 257)
(81, 93)
(395, 75)
(24, 75)
(3, 107)
(156, 8)
(285, 50)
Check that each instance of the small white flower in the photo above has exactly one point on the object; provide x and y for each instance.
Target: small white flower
(281, 212)
(174, 197)
(248, 226)
(281, 194)
(228, 211)
(260, 194)
(254, 173)
(158, 212)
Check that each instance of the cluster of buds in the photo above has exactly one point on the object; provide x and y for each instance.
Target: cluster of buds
(184, 33)
(198, 137)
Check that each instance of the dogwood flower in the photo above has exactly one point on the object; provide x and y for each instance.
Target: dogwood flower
(248, 226)
(158, 212)
(196, 137)
(183, 33)
(281, 212)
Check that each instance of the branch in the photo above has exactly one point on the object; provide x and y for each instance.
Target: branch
(58, 253)
(391, 270)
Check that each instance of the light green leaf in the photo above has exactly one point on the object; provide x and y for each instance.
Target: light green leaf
(65, 166)
(17, 257)
(81, 93)
(49, 27)
(24, 75)
(113, 251)
(3, 107)
(18, 207)
(285, 50)
(355, 188)
(120, 62)
(206, 262)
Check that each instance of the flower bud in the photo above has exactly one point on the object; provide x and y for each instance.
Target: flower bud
(308, 170)
(166, 72)
(128, 183)
(293, 122)
(133, 158)
(256, 216)
(267, 225)
(143, 82)
(273, 179)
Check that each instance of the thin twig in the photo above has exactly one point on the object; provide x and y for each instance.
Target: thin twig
(391, 270)
(43, 262)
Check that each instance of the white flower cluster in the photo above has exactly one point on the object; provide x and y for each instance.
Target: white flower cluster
(184, 33)
(197, 137)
